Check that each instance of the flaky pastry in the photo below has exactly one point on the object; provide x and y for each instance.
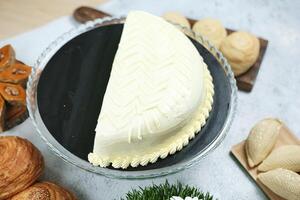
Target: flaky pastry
(282, 182)
(44, 191)
(21, 164)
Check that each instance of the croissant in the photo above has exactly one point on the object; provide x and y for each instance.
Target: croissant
(44, 190)
(177, 18)
(261, 140)
(212, 29)
(7, 57)
(282, 182)
(21, 164)
(287, 157)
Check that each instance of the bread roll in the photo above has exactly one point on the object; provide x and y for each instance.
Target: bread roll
(177, 18)
(212, 29)
(261, 140)
(282, 182)
(21, 164)
(241, 50)
(286, 157)
(44, 191)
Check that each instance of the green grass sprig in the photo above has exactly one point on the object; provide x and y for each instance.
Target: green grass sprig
(165, 191)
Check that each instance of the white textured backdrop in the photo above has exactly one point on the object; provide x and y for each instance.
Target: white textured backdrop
(276, 93)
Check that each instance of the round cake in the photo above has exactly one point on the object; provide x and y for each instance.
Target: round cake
(158, 97)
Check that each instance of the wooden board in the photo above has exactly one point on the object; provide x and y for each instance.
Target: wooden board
(286, 137)
(245, 81)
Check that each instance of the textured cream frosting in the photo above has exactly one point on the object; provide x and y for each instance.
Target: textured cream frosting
(159, 94)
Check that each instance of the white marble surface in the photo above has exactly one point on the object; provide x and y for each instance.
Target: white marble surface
(276, 94)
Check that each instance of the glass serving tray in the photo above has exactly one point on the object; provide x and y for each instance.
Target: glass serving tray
(68, 82)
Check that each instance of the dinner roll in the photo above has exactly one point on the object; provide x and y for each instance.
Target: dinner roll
(177, 18)
(241, 50)
(212, 29)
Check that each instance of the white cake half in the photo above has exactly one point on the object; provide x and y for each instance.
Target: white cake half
(158, 96)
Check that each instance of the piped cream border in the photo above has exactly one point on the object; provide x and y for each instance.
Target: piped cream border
(178, 141)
